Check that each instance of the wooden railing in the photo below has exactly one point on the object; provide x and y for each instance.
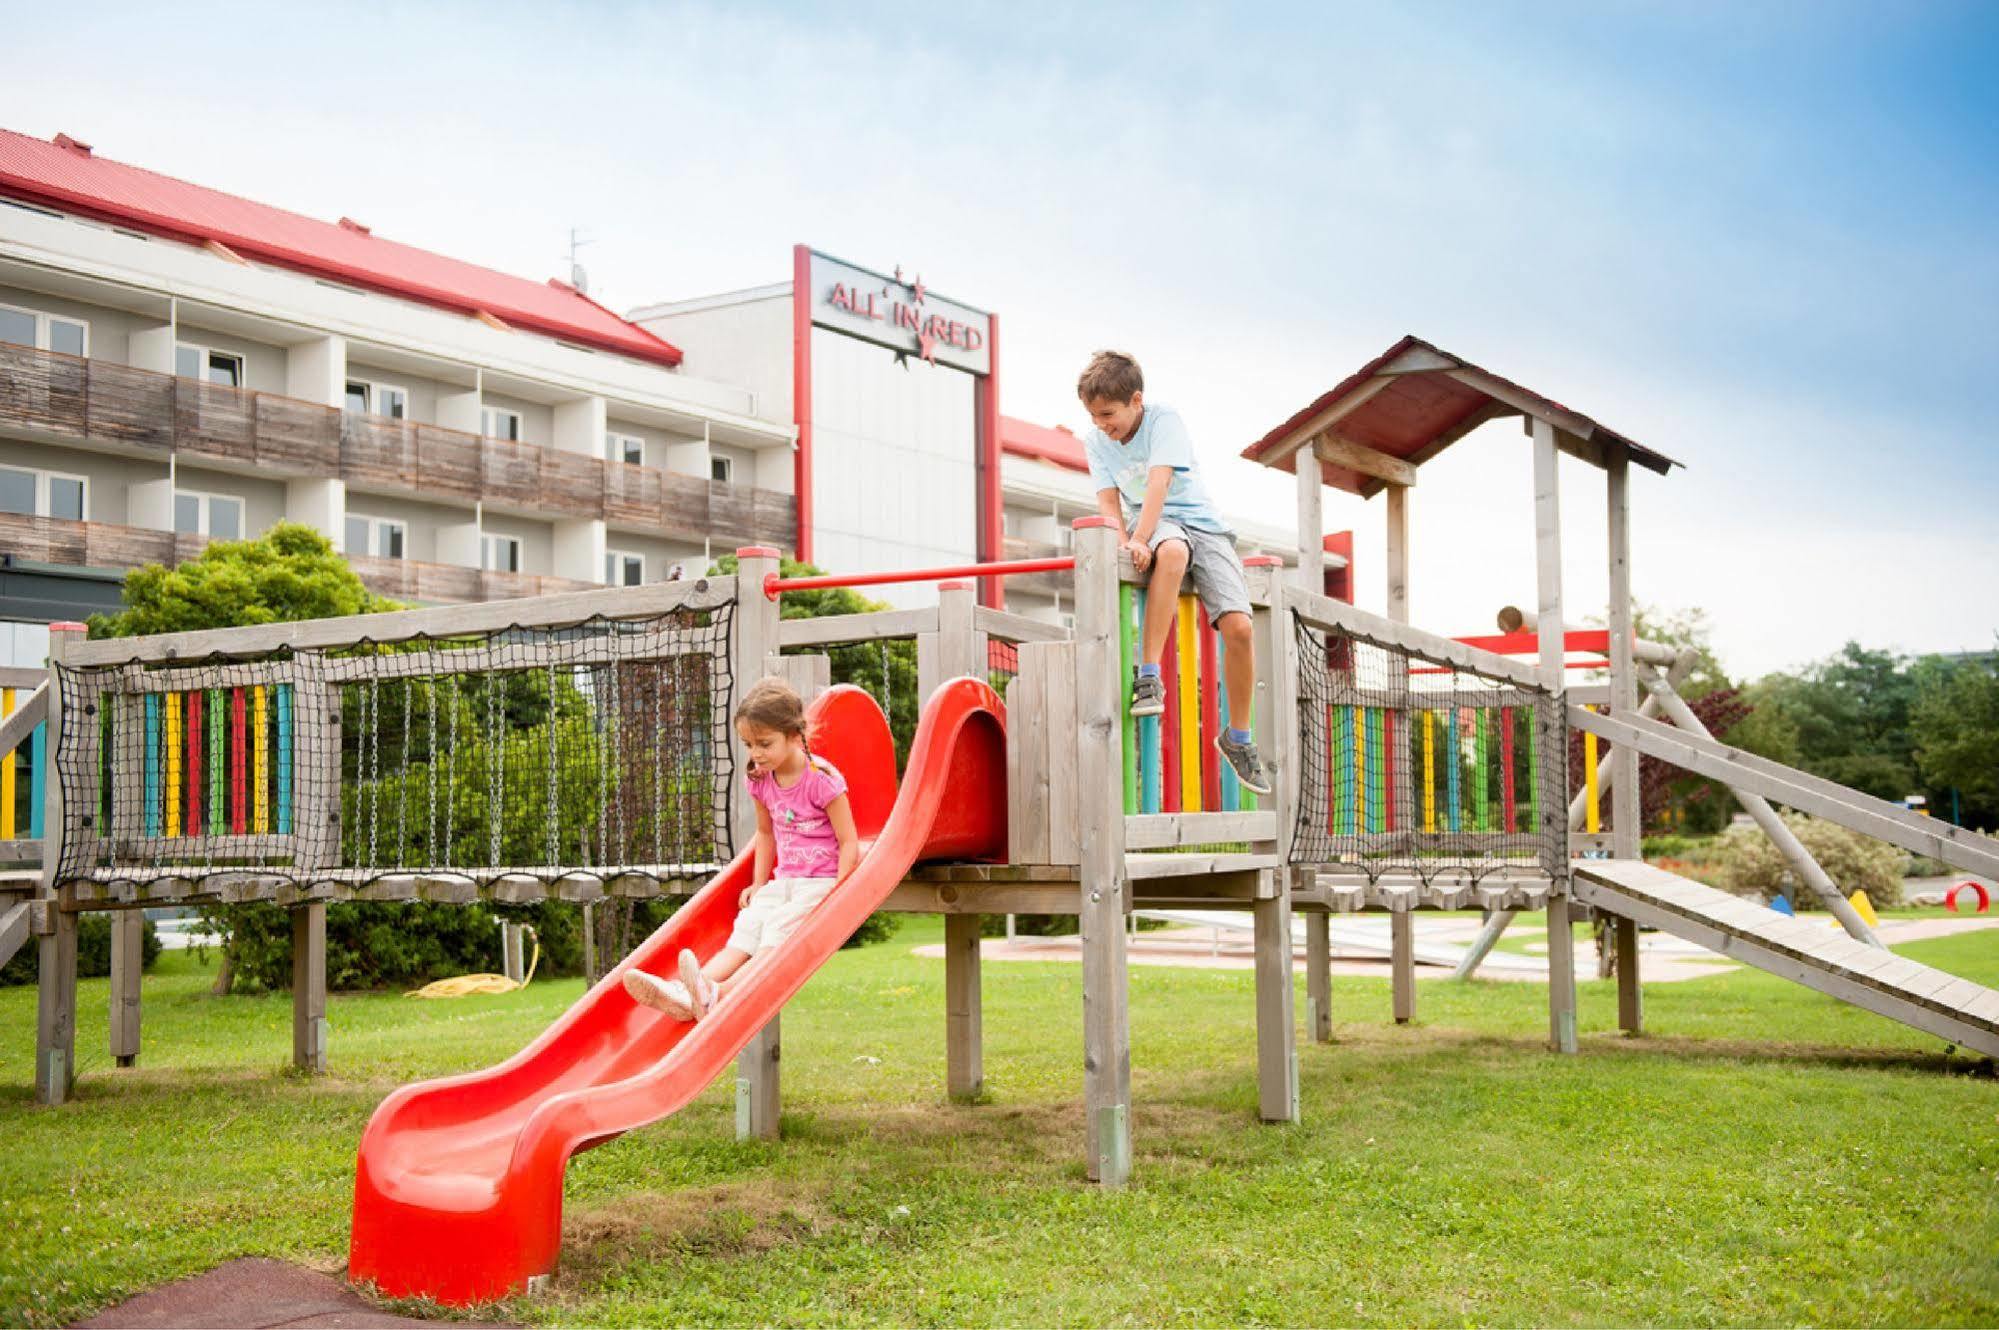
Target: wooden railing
(68, 399)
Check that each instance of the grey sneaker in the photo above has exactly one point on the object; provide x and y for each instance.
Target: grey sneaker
(1246, 762)
(1148, 695)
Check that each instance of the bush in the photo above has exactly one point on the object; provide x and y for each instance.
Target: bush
(375, 945)
(93, 951)
(1753, 866)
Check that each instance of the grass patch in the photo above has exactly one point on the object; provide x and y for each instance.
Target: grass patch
(1763, 1155)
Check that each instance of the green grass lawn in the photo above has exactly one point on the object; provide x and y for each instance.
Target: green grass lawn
(1764, 1155)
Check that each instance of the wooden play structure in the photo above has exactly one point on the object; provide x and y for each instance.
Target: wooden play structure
(577, 746)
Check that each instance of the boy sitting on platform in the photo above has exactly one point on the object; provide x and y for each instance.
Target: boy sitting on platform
(1142, 462)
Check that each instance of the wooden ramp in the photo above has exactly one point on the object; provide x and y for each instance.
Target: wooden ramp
(1805, 950)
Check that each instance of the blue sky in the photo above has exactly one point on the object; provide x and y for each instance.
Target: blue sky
(1759, 237)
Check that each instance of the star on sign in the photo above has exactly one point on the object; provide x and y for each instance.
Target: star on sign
(926, 346)
(918, 288)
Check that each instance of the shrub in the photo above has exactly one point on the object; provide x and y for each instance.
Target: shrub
(1752, 864)
(374, 945)
(93, 952)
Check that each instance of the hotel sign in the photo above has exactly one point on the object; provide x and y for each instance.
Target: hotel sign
(899, 313)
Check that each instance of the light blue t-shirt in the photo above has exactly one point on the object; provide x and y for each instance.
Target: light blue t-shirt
(1161, 440)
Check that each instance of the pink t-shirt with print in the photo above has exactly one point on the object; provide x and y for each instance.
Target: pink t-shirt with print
(806, 845)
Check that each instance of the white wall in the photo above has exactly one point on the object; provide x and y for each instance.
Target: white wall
(746, 342)
(894, 454)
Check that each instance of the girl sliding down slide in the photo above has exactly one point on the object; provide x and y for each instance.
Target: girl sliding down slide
(806, 844)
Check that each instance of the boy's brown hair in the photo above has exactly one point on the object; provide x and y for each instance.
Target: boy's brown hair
(1112, 376)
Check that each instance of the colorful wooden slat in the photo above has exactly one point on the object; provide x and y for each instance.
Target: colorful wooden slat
(7, 778)
(1146, 736)
(38, 774)
(1192, 685)
(1481, 797)
(239, 764)
(1169, 727)
(260, 750)
(1334, 785)
(215, 723)
(1361, 752)
(1592, 815)
(1429, 772)
(151, 764)
(1509, 813)
(1454, 810)
(195, 746)
(1533, 779)
(1231, 788)
(1388, 755)
(1212, 685)
(1349, 798)
(173, 790)
(284, 700)
(1127, 730)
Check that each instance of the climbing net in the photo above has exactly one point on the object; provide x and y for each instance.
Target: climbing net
(1414, 766)
(596, 748)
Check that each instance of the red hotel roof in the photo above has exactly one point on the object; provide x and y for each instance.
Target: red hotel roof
(65, 175)
(1025, 439)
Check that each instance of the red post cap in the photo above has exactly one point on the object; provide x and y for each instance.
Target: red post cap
(954, 586)
(1263, 561)
(758, 552)
(1084, 523)
(68, 626)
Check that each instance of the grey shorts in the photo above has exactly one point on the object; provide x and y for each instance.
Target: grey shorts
(1212, 566)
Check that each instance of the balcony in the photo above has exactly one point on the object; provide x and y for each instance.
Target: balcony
(108, 545)
(1038, 584)
(65, 399)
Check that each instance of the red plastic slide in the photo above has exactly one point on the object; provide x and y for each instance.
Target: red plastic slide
(458, 1188)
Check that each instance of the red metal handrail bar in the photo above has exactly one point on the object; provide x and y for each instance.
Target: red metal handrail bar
(774, 586)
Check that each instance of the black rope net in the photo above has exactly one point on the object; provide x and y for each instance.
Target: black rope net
(1414, 767)
(595, 749)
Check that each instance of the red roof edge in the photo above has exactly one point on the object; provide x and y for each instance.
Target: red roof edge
(650, 347)
(1024, 438)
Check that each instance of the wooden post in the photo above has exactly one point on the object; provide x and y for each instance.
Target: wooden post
(1551, 740)
(127, 961)
(1402, 963)
(960, 653)
(54, 927)
(510, 951)
(592, 969)
(309, 1028)
(1312, 577)
(1101, 911)
(1319, 976)
(1401, 923)
(1276, 1049)
(1626, 815)
(963, 1019)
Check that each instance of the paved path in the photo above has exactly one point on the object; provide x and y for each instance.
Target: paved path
(253, 1293)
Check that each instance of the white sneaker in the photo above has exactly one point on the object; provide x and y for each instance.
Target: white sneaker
(699, 985)
(667, 995)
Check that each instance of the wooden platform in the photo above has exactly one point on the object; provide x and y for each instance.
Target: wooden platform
(1804, 950)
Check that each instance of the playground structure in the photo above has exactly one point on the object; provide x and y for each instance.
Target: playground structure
(578, 746)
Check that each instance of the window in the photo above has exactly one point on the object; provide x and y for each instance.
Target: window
(721, 468)
(622, 569)
(501, 554)
(379, 537)
(500, 423)
(44, 332)
(210, 366)
(216, 515)
(43, 493)
(378, 399)
(625, 448)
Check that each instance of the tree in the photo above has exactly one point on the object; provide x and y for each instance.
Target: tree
(290, 572)
(1845, 718)
(1955, 727)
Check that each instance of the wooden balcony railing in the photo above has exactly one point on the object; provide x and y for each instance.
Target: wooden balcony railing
(63, 398)
(108, 545)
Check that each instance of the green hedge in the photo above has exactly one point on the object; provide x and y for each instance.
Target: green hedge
(93, 951)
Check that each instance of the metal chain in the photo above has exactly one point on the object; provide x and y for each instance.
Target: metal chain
(493, 801)
(554, 808)
(403, 784)
(451, 773)
(371, 738)
(430, 762)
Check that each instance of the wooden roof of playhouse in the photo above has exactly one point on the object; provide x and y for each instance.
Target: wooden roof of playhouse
(1410, 403)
